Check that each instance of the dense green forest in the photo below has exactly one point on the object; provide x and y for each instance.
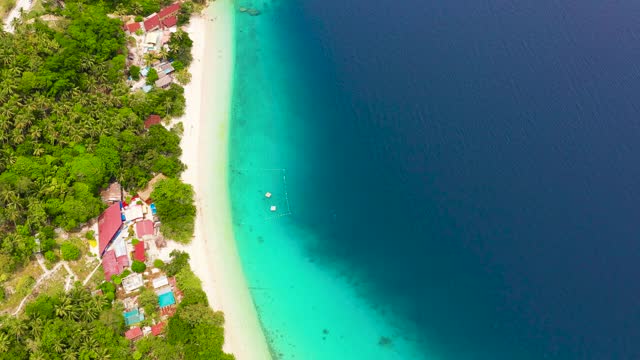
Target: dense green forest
(77, 325)
(69, 125)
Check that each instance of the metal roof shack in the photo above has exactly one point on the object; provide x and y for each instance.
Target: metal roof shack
(169, 11)
(133, 334)
(133, 317)
(164, 82)
(132, 282)
(156, 329)
(132, 27)
(160, 282)
(166, 68)
(138, 253)
(152, 120)
(152, 23)
(170, 21)
(144, 228)
(134, 212)
(110, 265)
(109, 224)
(112, 194)
(123, 261)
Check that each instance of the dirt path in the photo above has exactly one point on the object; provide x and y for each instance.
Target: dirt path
(15, 13)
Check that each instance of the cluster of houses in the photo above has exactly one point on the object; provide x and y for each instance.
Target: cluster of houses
(168, 295)
(164, 19)
(128, 232)
(151, 35)
(163, 69)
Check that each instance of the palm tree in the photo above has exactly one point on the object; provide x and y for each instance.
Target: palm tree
(149, 58)
(8, 196)
(58, 347)
(4, 342)
(64, 309)
(89, 312)
(36, 328)
(20, 328)
(69, 355)
(164, 53)
(103, 354)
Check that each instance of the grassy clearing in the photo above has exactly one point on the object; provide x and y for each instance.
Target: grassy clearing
(96, 279)
(37, 7)
(19, 285)
(6, 6)
(87, 262)
(54, 284)
(83, 267)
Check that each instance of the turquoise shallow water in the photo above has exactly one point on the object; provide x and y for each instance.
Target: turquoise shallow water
(310, 307)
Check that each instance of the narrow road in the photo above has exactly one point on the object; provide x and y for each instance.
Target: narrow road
(90, 275)
(40, 259)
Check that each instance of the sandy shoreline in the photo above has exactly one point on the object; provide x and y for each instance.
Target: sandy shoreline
(214, 257)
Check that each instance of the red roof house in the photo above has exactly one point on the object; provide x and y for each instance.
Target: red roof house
(123, 261)
(144, 228)
(133, 334)
(110, 265)
(152, 23)
(170, 10)
(132, 27)
(109, 224)
(157, 328)
(152, 120)
(138, 253)
(169, 21)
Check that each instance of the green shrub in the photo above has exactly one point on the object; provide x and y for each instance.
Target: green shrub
(177, 65)
(90, 235)
(108, 289)
(148, 300)
(24, 285)
(179, 260)
(152, 76)
(157, 263)
(134, 72)
(117, 279)
(135, 242)
(175, 208)
(138, 18)
(47, 244)
(138, 266)
(50, 256)
(69, 251)
(183, 76)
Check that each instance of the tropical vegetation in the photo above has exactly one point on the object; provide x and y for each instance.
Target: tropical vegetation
(69, 125)
(175, 208)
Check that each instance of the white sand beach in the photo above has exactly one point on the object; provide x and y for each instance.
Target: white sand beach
(214, 257)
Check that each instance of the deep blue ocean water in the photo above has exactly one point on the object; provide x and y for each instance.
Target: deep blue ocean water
(466, 171)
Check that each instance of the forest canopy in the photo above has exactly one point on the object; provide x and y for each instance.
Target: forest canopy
(69, 125)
